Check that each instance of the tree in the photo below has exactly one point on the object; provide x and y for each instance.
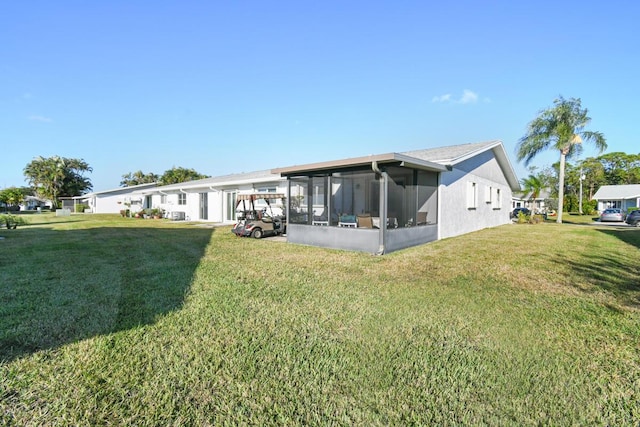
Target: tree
(562, 128)
(533, 185)
(12, 196)
(137, 178)
(55, 177)
(594, 174)
(621, 168)
(178, 174)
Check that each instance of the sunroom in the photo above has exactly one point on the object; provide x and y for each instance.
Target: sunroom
(375, 204)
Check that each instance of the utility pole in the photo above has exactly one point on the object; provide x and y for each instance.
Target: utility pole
(582, 177)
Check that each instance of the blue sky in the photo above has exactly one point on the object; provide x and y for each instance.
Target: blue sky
(228, 87)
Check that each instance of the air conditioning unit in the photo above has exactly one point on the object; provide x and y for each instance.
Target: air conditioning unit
(177, 216)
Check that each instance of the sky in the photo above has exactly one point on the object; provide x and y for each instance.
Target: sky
(239, 86)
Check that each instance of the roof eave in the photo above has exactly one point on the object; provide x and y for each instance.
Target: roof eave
(380, 159)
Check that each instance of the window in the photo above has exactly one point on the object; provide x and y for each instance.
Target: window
(182, 199)
(231, 197)
(497, 199)
(488, 197)
(163, 198)
(472, 195)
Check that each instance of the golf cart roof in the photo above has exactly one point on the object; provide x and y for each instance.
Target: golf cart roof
(256, 196)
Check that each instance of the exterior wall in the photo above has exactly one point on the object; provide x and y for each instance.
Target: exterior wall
(455, 216)
(623, 204)
(114, 202)
(402, 238)
(352, 239)
(360, 239)
(171, 205)
(216, 200)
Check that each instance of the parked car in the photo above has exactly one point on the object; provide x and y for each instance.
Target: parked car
(516, 211)
(612, 214)
(633, 218)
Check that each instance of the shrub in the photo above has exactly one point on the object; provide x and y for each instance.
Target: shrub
(81, 207)
(522, 218)
(11, 221)
(589, 207)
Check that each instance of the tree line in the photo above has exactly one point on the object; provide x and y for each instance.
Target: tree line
(51, 178)
(607, 169)
(170, 176)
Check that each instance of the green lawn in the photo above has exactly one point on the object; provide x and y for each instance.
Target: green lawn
(115, 321)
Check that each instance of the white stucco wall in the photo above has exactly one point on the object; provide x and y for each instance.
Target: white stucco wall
(115, 202)
(217, 200)
(455, 216)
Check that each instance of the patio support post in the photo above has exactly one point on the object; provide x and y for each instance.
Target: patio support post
(287, 202)
(384, 183)
(328, 197)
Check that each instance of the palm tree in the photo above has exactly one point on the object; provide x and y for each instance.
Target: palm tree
(562, 128)
(533, 185)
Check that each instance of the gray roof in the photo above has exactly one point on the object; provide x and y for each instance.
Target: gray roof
(437, 159)
(618, 192)
(257, 176)
(120, 189)
(452, 154)
(544, 194)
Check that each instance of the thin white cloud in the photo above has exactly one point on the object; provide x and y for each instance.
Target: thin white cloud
(442, 98)
(468, 97)
(41, 119)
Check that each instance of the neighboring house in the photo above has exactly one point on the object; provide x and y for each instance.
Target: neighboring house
(618, 196)
(521, 200)
(113, 201)
(31, 203)
(382, 203)
(210, 199)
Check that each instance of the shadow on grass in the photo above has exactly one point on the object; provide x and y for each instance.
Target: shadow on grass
(61, 286)
(615, 272)
(625, 233)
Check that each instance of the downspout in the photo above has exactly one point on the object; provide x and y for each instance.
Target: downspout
(287, 205)
(382, 234)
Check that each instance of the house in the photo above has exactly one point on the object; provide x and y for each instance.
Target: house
(31, 203)
(618, 196)
(382, 203)
(377, 203)
(537, 205)
(210, 199)
(115, 200)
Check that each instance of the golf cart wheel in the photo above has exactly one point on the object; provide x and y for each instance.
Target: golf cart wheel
(257, 233)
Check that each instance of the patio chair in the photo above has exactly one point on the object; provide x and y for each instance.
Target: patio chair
(347, 221)
(321, 219)
(421, 218)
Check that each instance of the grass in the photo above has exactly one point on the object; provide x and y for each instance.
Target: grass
(112, 321)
